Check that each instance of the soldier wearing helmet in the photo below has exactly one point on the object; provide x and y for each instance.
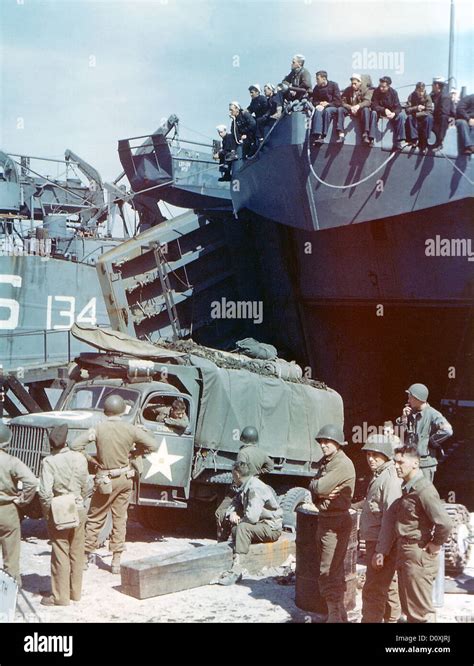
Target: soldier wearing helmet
(258, 463)
(116, 442)
(425, 428)
(12, 470)
(380, 600)
(332, 489)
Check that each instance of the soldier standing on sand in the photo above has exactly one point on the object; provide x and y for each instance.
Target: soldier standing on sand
(421, 526)
(115, 440)
(425, 428)
(380, 600)
(12, 470)
(64, 472)
(258, 463)
(332, 489)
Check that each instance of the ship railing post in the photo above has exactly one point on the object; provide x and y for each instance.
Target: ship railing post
(45, 344)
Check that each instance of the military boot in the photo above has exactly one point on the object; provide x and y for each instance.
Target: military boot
(115, 569)
(334, 612)
(234, 575)
(88, 559)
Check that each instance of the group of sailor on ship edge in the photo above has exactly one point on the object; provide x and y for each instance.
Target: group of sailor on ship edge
(411, 123)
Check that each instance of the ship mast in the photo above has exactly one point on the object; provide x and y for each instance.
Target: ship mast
(451, 45)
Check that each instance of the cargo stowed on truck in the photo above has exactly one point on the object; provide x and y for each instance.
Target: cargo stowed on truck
(195, 463)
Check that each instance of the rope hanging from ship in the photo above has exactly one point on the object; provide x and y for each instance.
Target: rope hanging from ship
(370, 175)
(340, 187)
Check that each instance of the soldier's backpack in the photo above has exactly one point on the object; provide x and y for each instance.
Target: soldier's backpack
(64, 512)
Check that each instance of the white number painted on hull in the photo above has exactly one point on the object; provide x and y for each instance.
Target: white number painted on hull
(86, 316)
(11, 304)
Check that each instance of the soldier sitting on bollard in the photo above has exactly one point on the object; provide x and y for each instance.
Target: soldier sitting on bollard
(380, 600)
(255, 515)
(332, 489)
(258, 462)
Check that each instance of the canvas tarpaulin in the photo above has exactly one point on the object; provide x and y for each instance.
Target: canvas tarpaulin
(120, 343)
(287, 415)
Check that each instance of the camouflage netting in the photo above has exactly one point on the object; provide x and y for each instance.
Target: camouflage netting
(232, 361)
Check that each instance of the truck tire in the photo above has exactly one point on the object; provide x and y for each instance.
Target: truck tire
(223, 477)
(456, 548)
(107, 528)
(289, 502)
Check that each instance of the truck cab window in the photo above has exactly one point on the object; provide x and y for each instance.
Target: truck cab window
(170, 413)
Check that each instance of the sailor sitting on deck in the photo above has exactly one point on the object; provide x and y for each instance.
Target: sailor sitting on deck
(259, 103)
(274, 110)
(356, 100)
(226, 153)
(419, 112)
(327, 100)
(256, 516)
(387, 105)
(465, 124)
(243, 128)
(298, 80)
(441, 111)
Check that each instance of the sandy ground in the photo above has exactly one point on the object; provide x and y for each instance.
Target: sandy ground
(256, 599)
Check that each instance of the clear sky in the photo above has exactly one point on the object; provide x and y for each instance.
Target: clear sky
(81, 74)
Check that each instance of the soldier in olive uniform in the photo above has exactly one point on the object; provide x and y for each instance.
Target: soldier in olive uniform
(258, 462)
(174, 417)
(332, 489)
(12, 470)
(115, 440)
(421, 526)
(425, 428)
(380, 600)
(64, 472)
(255, 515)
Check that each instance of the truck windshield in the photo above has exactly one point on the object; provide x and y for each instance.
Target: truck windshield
(93, 397)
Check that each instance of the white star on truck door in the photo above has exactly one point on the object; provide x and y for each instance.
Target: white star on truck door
(161, 461)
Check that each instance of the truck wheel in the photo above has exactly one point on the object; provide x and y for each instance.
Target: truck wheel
(289, 503)
(223, 477)
(107, 528)
(456, 548)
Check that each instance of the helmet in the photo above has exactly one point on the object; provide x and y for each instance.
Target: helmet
(249, 435)
(114, 405)
(5, 436)
(383, 444)
(331, 431)
(418, 391)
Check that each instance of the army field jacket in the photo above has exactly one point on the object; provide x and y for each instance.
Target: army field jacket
(384, 488)
(418, 515)
(13, 470)
(334, 472)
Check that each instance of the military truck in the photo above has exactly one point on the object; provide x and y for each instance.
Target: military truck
(192, 464)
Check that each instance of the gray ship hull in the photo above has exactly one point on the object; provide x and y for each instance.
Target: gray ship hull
(40, 298)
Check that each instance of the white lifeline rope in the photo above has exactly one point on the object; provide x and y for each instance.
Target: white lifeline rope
(471, 182)
(342, 187)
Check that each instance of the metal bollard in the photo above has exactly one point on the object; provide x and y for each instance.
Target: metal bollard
(438, 585)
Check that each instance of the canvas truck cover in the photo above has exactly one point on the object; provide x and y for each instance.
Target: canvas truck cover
(287, 415)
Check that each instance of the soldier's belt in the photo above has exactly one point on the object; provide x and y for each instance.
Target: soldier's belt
(117, 471)
(413, 541)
